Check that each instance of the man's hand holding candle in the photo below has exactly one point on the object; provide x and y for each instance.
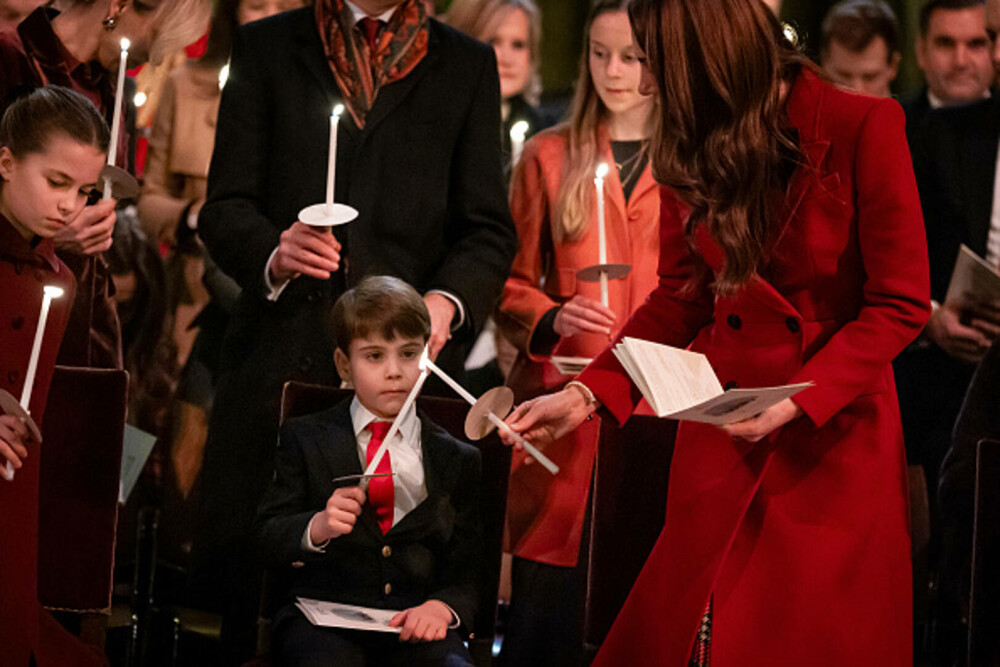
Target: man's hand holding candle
(305, 250)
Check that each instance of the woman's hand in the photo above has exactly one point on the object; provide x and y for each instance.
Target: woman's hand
(549, 417)
(760, 426)
(583, 315)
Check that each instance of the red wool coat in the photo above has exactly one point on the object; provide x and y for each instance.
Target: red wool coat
(544, 513)
(25, 628)
(802, 538)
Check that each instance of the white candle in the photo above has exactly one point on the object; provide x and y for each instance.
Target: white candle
(116, 115)
(50, 292)
(394, 428)
(518, 132)
(223, 76)
(495, 420)
(331, 171)
(602, 241)
(119, 94)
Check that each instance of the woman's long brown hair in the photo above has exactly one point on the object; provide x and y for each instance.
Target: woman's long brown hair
(721, 144)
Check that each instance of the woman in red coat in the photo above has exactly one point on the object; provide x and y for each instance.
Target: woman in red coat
(546, 312)
(803, 259)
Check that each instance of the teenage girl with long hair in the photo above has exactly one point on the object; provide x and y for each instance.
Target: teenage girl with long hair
(803, 259)
(547, 311)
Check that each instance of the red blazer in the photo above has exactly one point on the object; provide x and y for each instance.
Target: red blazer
(802, 538)
(25, 628)
(545, 513)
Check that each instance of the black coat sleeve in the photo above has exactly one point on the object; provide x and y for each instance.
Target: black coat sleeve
(232, 223)
(482, 237)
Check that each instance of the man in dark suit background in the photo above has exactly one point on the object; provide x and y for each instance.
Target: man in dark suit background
(956, 167)
(953, 53)
(419, 158)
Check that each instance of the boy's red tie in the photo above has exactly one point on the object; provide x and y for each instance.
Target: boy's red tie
(381, 493)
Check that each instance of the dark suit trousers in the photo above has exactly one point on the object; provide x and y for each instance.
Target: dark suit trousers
(299, 643)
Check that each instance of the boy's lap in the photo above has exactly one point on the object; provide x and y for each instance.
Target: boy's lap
(298, 643)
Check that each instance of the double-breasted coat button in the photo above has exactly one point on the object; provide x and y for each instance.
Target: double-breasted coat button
(386, 551)
(17, 322)
(298, 563)
(793, 325)
(388, 589)
(732, 384)
(734, 321)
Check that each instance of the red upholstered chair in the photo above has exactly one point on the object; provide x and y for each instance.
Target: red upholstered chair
(78, 494)
(300, 399)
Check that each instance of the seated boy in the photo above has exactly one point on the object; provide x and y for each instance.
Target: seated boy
(413, 542)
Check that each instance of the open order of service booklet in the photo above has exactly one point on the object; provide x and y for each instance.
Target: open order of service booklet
(336, 615)
(679, 384)
(973, 281)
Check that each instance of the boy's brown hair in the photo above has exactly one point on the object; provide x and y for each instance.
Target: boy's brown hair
(383, 305)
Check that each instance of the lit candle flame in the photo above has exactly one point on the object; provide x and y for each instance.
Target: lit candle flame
(424, 360)
(139, 99)
(125, 43)
(53, 291)
(338, 111)
(223, 76)
(602, 170)
(519, 130)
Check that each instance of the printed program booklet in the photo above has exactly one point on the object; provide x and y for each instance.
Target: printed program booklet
(336, 615)
(973, 281)
(679, 384)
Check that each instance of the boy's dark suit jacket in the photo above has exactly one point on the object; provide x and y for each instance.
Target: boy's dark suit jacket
(434, 552)
(425, 175)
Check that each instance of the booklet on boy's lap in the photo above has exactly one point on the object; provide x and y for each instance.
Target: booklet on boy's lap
(679, 384)
(973, 280)
(336, 615)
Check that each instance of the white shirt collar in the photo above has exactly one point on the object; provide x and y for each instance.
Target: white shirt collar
(937, 103)
(409, 428)
(359, 13)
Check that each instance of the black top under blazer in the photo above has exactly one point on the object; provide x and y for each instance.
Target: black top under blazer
(435, 551)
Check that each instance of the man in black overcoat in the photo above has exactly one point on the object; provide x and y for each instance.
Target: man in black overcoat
(419, 159)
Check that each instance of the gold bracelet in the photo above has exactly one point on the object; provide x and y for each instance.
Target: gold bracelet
(588, 395)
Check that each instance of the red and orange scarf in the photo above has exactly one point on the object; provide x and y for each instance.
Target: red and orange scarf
(359, 71)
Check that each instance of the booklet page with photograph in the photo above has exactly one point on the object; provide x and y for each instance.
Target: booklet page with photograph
(679, 384)
(973, 281)
(336, 615)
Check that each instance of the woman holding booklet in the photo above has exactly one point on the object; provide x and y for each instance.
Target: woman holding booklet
(546, 312)
(802, 260)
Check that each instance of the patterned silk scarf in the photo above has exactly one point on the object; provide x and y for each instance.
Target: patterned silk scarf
(360, 72)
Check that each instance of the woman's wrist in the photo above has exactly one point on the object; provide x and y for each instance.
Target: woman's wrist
(590, 401)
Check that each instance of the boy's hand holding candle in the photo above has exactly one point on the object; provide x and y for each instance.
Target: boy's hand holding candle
(339, 516)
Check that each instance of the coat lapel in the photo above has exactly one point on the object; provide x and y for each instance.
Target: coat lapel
(439, 470)
(312, 56)
(392, 95)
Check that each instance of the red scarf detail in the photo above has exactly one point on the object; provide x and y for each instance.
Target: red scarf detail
(359, 72)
